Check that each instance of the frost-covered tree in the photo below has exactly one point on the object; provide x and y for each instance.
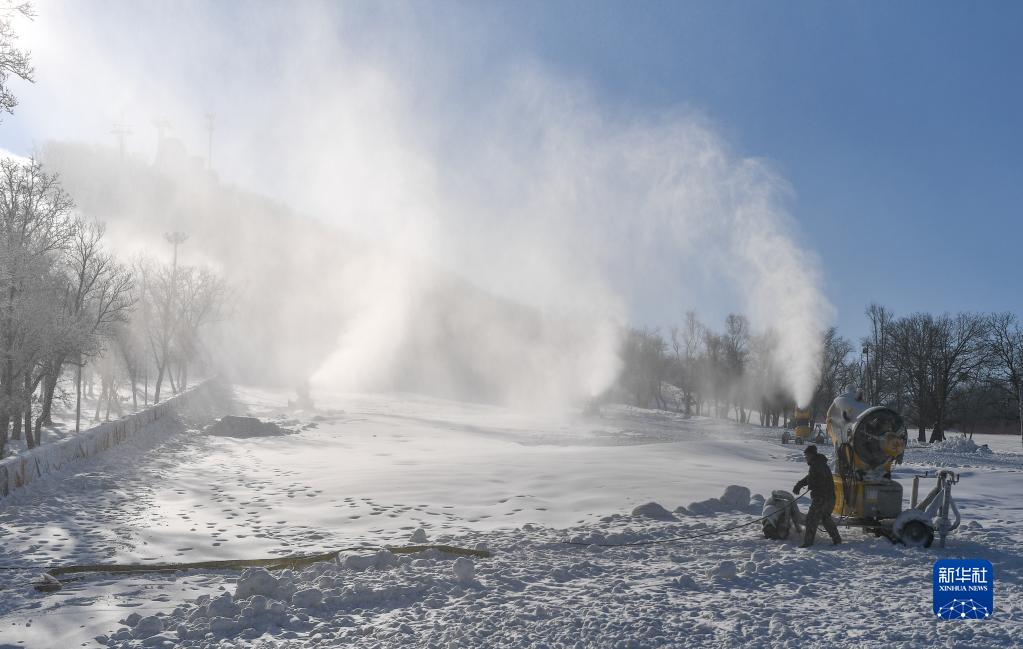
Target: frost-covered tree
(685, 344)
(36, 226)
(736, 342)
(96, 296)
(645, 366)
(60, 295)
(14, 61)
(766, 382)
(158, 315)
(834, 370)
(128, 344)
(203, 298)
(177, 303)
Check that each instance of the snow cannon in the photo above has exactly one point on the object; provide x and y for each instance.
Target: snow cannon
(864, 454)
(876, 439)
(801, 424)
(868, 441)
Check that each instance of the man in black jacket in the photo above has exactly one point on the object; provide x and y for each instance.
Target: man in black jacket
(822, 497)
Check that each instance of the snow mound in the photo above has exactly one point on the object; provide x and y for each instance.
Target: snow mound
(222, 606)
(235, 426)
(464, 569)
(705, 507)
(654, 511)
(724, 570)
(255, 581)
(147, 626)
(756, 504)
(736, 497)
(961, 445)
(684, 582)
(379, 560)
(307, 598)
(419, 536)
(311, 602)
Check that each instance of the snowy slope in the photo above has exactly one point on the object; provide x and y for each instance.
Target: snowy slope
(367, 469)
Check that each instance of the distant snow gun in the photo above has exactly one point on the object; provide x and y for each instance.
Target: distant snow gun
(801, 431)
(868, 441)
(801, 424)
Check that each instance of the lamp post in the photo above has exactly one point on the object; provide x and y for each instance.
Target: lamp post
(78, 394)
(868, 392)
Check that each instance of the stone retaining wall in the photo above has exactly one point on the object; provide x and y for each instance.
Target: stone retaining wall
(23, 469)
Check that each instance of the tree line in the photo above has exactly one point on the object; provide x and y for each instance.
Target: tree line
(943, 372)
(69, 309)
(699, 371)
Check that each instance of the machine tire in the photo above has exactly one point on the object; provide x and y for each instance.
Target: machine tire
(917, 534)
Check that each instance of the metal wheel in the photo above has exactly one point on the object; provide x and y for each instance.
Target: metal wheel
(917, 534)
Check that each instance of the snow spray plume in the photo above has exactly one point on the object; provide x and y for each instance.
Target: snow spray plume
(492, 242)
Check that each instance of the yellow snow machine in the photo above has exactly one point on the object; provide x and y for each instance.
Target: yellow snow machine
(868, 441)
(801, 425)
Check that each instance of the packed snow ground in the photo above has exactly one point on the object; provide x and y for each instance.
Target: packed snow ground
(376, 469)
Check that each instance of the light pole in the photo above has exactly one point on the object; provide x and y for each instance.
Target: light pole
(121, 131)
(868, 392)
(175, 239)
(78, 394)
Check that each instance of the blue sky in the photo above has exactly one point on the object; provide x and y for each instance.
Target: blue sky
(898, 125)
